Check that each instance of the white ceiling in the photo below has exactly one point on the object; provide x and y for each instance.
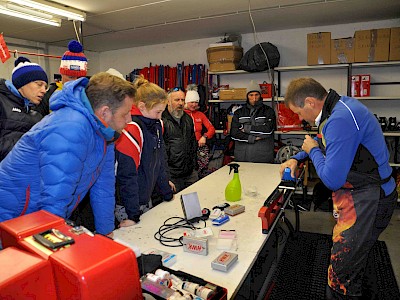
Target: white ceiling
(121, 24)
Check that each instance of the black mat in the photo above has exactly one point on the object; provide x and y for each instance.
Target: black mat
(302, 270)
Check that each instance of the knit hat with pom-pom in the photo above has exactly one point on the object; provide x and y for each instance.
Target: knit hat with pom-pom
(74, 62)
(191, 94)
(25, 72)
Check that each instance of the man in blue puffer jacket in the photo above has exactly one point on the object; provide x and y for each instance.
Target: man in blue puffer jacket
(70, 151)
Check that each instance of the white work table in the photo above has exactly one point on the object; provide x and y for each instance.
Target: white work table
(263, 178)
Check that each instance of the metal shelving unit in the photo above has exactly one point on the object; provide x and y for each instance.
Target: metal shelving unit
(349, 68)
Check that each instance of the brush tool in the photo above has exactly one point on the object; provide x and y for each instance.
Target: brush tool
(288, 182)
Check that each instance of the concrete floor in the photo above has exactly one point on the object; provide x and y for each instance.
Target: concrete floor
(323, 222)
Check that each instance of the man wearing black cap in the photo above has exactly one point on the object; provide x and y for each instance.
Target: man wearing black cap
(253, 128)
(17, 98)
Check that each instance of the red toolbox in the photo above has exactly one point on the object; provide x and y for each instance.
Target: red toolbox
(14, 230)
(87, 267)
(25, 276)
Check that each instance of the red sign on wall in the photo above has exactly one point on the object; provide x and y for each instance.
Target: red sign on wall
(4, 53)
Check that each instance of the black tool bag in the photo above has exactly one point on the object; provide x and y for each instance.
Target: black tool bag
(254, 60)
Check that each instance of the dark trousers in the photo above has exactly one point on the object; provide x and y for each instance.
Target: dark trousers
(185, 181)
(83, 214)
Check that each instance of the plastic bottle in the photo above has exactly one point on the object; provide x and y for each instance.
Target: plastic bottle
(233, 190)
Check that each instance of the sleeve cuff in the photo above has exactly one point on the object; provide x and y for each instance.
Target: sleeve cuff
(247, 128)
(252, 139)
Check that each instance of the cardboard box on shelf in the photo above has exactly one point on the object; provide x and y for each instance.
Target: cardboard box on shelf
(319, 48)
(365, 85)
(355, 85)
(372, 45)
(221, 67)
(233, 94)
(224, 58)
(342, 51)
(394, 53)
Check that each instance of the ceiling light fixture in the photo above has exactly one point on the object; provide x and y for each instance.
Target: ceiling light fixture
(18, 14)
(71, 14)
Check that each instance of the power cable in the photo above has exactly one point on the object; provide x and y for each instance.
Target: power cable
(160, 235)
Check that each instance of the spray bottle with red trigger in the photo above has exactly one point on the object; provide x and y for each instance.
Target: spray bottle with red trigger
(233, 190)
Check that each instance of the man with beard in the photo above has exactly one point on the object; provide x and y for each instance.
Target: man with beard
(180, 141)
(69, 152)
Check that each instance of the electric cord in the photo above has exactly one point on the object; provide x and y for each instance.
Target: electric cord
(282, 235)
(257, 41)
(76, 32)
(168, 241)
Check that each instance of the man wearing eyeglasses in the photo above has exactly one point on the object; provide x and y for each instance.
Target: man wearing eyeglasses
(180, 141)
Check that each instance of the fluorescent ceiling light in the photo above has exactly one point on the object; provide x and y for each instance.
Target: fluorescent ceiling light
(18, 14)
(28, 11)
(58, 10)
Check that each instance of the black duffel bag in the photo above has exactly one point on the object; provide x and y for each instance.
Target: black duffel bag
(254, 60)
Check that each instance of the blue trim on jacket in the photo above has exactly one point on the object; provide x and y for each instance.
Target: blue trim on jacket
(350, 124)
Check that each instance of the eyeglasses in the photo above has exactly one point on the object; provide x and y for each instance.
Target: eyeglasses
(175, 89)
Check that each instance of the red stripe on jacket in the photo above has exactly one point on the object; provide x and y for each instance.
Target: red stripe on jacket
(130, 142)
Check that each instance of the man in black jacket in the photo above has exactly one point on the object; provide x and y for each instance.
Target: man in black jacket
(18, 98)
(253, 128)
(180, 141)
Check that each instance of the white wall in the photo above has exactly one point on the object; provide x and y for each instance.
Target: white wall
(50, 65)
(292, 45)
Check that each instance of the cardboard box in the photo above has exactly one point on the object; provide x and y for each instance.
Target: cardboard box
(319, 48)
(365, 85)
(355, 85)
(342, 51)
(372, 45)
(220, 67)
(233, 94)
(224, 54)
(394, 52)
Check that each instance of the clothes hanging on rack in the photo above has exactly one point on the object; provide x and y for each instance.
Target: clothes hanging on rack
(169, 77)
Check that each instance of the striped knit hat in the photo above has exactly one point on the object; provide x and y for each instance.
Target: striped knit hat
(74, 62)
(26, 72)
